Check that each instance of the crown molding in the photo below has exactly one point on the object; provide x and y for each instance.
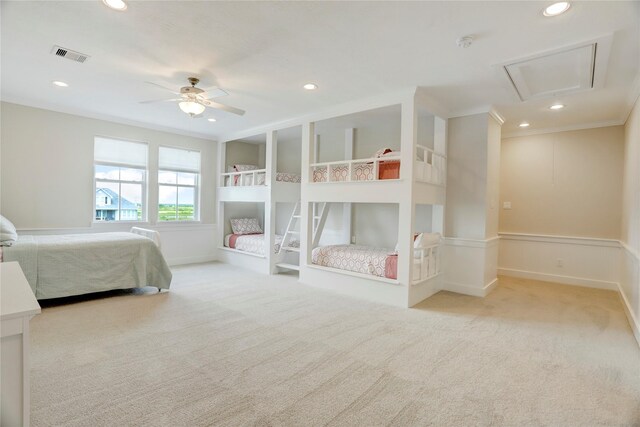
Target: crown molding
(634, 95)
(579, 126)
(105, 117)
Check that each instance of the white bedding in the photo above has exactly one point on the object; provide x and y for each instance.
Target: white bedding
(74, 264)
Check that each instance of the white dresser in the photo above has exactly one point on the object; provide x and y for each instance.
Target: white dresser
(17, 306)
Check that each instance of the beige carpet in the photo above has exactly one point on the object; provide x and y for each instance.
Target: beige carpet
(230, 347)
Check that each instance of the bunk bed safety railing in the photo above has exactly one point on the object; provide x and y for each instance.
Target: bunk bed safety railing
(430, 167)
(243, 179)
(428, 264)
(350, 170)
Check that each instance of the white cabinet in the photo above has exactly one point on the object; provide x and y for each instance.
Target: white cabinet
(17, 306)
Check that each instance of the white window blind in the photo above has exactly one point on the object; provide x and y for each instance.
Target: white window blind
(178, 159)
(120, 152)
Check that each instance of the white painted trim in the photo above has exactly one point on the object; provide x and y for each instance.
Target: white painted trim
(633, 321)
(634, 95)
(107, 118)
(568, 240)
(471, 243)
(567, 128)
(630, 250)
(555, 278)
(497, 116)
(118, 226)
(470, 290)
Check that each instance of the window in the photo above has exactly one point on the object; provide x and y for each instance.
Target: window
(120, 170)
(178, 177)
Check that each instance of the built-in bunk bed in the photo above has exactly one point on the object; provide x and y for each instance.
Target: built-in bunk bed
(258, 192)
(384, 171)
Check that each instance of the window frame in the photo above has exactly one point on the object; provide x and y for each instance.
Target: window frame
(196, 187)
(144, 184)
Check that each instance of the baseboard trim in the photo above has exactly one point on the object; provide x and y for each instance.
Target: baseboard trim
(633, 322)
(565, 280)
(190, 260)
(471, 290)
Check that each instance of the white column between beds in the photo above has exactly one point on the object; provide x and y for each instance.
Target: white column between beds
(309, 153)
(347, 210)
(271, 160)
(406, 217)
(220, 219)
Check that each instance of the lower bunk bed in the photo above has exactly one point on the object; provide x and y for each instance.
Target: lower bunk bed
(372, 272)
(254, 243)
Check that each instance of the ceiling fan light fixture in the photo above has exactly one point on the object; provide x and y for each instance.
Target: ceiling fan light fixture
(310, 86)
(59, 83)
(119, 5)
(191, 108)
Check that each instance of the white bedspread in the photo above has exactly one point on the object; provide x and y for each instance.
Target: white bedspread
(73, 264)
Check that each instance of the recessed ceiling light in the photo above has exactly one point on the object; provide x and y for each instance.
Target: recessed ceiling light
(115, 4)
(524, 125)
(310, 86)
(557, 8)
(59, 83)
(211, 120)
(557, 107)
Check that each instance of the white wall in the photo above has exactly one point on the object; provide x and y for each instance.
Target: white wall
(243, 153)
(465, 215)
(630, 236)
(564, 183)
(46, 176)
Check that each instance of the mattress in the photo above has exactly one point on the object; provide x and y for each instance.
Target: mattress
(254, 243)
(73, 264)
(379, 262)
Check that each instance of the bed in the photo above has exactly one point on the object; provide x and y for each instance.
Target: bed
(247, 179)
(382, 262)
(254, 243)
(379, 262)
(74, 264)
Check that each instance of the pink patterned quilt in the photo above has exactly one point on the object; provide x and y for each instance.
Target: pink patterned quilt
(359, 259)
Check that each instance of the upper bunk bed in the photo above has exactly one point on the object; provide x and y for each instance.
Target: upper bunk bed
(262, 167)
(364, 148)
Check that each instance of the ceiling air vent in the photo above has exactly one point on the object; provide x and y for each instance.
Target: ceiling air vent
(572, 69)
(63, 52)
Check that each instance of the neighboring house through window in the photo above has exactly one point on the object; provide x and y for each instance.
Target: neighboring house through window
(178, 184)
(120, 170)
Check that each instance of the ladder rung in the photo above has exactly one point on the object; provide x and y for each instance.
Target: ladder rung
(288, 266)
(296, 216)
(292, 232)
(290, 248)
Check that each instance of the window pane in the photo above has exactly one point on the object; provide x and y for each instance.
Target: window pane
(186, 178)
(131, 202)
(167, 203)
(107, 172)
(131, 174)
(166, 177)
(186, 203)
(106, 207)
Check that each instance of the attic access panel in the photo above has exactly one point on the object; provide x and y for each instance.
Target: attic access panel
(570, 69)
(558, 73)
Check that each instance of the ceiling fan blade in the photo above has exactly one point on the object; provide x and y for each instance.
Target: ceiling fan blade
(223, 107)
(214, 92)
(163, 87)
(160, 100)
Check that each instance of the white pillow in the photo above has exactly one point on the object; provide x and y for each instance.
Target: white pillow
(8, 233)
(245, 226)
(245, 168)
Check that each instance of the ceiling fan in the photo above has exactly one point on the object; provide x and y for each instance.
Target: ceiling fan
(193, 100)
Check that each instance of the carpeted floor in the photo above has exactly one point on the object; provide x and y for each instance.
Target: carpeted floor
(230, 347)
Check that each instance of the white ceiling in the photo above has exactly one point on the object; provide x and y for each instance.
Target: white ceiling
(263, 52)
